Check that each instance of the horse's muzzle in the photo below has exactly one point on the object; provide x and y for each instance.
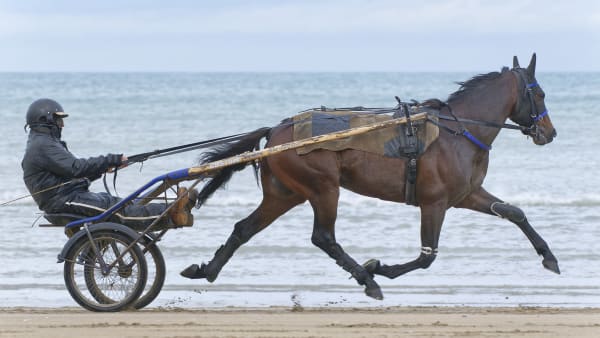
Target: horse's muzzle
(540, 136)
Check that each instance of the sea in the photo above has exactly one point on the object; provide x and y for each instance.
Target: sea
(482, 260)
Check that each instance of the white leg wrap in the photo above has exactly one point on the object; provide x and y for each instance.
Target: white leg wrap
(429, 251)
(494, 211)
(507, 211)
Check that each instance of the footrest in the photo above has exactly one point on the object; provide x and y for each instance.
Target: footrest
(48, 225)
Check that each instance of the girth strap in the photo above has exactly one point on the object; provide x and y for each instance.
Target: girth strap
(411, 151)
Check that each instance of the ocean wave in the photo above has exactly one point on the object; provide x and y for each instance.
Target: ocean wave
(358, 201)
(583, 200)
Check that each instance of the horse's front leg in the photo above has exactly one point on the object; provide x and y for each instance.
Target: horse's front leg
(484, 202)
(432, 217)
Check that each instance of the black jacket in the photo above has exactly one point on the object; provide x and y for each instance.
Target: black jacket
(48, 162)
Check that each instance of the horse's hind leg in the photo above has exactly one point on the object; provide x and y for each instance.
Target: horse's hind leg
(325, 209)
(485, 202)
(271, 207)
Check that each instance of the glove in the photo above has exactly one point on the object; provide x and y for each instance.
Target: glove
(114, 160)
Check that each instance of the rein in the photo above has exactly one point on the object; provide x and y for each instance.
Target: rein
(140, 158)
(463, 130)
(484, 123)
(461, 121)
(397, 109)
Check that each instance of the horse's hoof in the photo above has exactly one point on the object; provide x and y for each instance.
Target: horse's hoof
(374, 292)
(552, 265)
(194, 272)
(372, 265)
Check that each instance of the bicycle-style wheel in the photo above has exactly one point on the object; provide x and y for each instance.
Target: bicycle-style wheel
(112, 288)
(155, 280)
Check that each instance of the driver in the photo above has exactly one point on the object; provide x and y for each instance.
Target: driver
(59, 181)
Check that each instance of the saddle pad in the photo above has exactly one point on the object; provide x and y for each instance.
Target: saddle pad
(389, 142)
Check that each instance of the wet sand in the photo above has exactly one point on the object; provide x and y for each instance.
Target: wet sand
(302, 322)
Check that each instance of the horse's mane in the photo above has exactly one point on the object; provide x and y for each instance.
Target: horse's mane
(474, 82)
(433, 103)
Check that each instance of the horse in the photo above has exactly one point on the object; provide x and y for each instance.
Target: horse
(450, 174)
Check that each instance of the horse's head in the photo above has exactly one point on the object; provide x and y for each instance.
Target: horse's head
(530, 111)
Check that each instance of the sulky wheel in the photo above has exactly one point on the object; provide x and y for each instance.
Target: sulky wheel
(112, 288)
(155, 280)
(157, 271)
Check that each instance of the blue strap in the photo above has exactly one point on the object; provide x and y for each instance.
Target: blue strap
(540, 116)
(531, 85)
(476, 141)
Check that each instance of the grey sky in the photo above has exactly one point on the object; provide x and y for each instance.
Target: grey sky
(335, 35)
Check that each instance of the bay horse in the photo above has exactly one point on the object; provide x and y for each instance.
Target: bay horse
(450, 174)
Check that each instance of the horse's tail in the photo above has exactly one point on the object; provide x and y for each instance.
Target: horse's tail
(249, 142)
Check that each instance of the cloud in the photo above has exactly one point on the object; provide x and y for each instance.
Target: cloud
(236, 35)
(310, 17)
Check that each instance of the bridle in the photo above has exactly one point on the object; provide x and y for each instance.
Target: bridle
(533, 129)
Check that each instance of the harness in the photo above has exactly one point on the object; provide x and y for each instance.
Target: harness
(532, 130)
(401, 108)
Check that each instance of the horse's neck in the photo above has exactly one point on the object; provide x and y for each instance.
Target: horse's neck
(491, 103)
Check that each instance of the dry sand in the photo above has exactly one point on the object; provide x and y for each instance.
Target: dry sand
(286, 322)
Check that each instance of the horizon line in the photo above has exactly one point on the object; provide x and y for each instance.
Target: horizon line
(266, 71)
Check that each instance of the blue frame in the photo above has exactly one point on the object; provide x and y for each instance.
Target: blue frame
(173, 175)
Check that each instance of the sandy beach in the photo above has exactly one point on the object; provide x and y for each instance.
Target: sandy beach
(299, 322)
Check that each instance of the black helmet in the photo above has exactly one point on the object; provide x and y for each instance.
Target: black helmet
(43, 112)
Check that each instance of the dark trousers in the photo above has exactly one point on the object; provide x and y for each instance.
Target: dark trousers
(133, 215)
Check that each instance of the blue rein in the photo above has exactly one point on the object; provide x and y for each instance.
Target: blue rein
(463, 130)
(476, 141)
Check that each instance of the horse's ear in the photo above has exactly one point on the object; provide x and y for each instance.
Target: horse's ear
(531, 67)
(515, 62)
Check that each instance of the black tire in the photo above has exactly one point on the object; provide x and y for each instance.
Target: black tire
(155, 280)
(157, 270)
(96, 291)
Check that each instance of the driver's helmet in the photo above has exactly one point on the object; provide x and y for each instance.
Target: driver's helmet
(43, 112)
